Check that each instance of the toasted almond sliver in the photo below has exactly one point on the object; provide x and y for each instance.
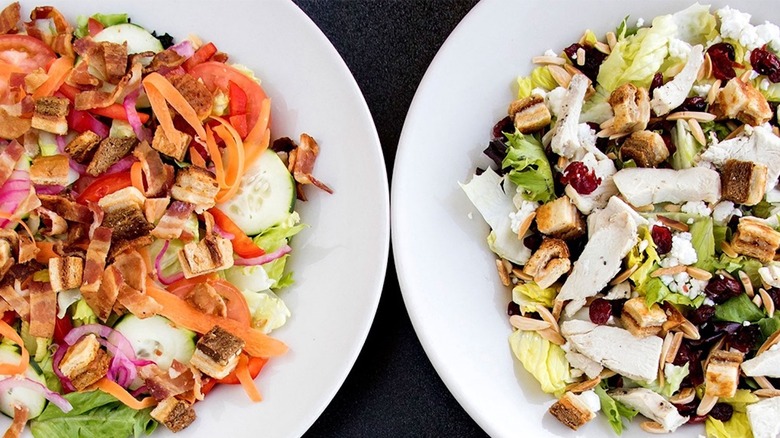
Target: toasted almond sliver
(770, 341)
(607, 123)
(746, 283)
(668, 271)
(769, 304)
(758, 301)
(611, 39)
(675, 348)
(706, 405)
(674, 70)
(735, 133)
(697, 132)
(651, 426)
(547, 316)
(525, 225)
(728, 250)
(672, 208)
(584, 386)
(554, 60)
(689, 330)
(661, 378)
(623, 276)
(776, 131)
(764, 382)
(673, 224)
(745, 77)
(560, 75)
(713, 93)
(572, 70)
(517, 272)
(552, 336)
(563, 162)
(580, 56)
(763, 392)
(698, 273)
(643, 208)
(528, 324)
(698, 115)
(557, 308)
(502, 274)
(603, 48)
(724, 274)
(685, 396)
(665, 350)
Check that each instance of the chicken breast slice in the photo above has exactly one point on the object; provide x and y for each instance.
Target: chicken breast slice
(765, 364)
(652, 405)
(672, 94)
(600, 218)
(758, 145)
(650, 186)
(763, 418)
(566, 138)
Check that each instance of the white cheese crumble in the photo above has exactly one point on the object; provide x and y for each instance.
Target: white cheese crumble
(682, 252)
(550, 52)
(736, 25)
(591, 400)
(679, 49)
(696, 208)
(745, 323)
(702, 90)
(682, 283)
(764, 84)
(723, 212)
(640, 22)
(554, 100)
(517, 218)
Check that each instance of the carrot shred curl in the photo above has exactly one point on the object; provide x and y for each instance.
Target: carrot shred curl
(257, 140)
(242, 372)
(216, 157)
(58, 72)
(10, 369)
(182, 314)
(161, 93)
(196, 158)
(137, 176)
(122, 395)
(235, 160)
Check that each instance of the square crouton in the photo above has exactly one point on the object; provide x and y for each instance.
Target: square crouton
(154, 208)
(740, 100)
(49, 115)
(174, 150)
(216, 353)
(646, 148)
(755, 239)
(743, 182)
(197, 186)
(211, 254)
(640, 320)
(549, 262)
(97, 369)
(722, 374)
(530, 114)
(50, 171)
(196, 93)
(561, 219)
(571, 411)
(83, 146)
(128, 197)
(65, 272)
(631, 106)
(175, 414)
(109, 152)
(127, 223)
(79, 356)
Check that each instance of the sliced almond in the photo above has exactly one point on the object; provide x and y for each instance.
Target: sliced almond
(502, 274)
(673, 317)
(651, 426)
(697, 132)
(548, 317)
(734, 133)
(706, 68)
(525, 225)
(665, 350)
(770, 341)
(758, 301)
(644, 208)
(698, 273)
(623, 276)
(572, 70)
(698, 115)
(746, 283)
(713, 93)
(706, 405)
(517, 272)
(673, 224)
(611, 39)
(560, 75)
(685, 396)
(557, 308)
(607, 374)
(728, 250)
(668, 271)
(768, 393)
(603, 48)
(724, 273)
(552, 336)
(548, 60)
(689, 330)
(673, 208)
(528, 324)
(661, 377)
(764, 382)
(675, 347)
(769, 304)
(563, 162)
(584, 386)
(674, 70)
(745, 77)
(607, 123)
(580, 56)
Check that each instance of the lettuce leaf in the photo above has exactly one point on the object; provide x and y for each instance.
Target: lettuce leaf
(703, 240)
(674, 376)
(687, 146)
(646, 259)
(530, 169)
(737, 426)
(528, 295)
(739, 309)
(614, 410)
(274, 238)
(769, 326)
(742, 263)
(104, 19)
(543, 359)
(94, 414)
(540, 77)
(268, 310)
(655, 291)
(741, 399)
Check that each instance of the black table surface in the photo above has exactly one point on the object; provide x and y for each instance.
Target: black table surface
(392, 391)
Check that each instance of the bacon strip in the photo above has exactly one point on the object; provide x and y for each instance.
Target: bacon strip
(61, 36)
(9, 18)
(162, 384)
(173, 221)
(43, 309)
(53, 222)
(81, 78)
(12, 126)
(9, 155)
(158, 176)
(115, 59)
(137, 302)
(165, 61)
(102, 301)
(17, 302)
(91, 99)
(303, 159)
(97, 252)
(133, 269)
(69, 210)
(21, 415)
(27, 249)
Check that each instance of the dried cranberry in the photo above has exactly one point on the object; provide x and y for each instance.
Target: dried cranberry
(766, 63)
(513, 309)
(775, 295)
(722, 411)
(662, 237)
(695, 103)
(533, 241)
(687, 409)
(658, 80)
(745, 338)
(667, 137)
(593, 60)
(702, 314)
(720, 289)
(504, 125)
(583, 179)
(722, 56)
(600, 311)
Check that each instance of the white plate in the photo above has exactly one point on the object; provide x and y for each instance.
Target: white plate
(447, 274)
(340, 261)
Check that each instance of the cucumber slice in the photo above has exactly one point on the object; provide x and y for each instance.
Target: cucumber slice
(265, 197)
(138, 39)
(157, 339)
(35, 401)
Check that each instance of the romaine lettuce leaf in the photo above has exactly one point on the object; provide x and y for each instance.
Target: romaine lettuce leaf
(540, 77)
(655, 291)
(742, 263)
(543, 359)
(104, 19)
(274, 238)
(674, 376)
(687, 146)
(268, 310)
(739, 309)
(530, 169)
(528, 295)
(646, 259)
(703, 240)
(737, 426)
(614, 410)
(741, 399)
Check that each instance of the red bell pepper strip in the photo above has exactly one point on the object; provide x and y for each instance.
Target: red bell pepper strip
(203, 54)
(242, 244)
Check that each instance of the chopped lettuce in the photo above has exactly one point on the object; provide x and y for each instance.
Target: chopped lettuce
(249, 278)
(83, 314)
(703, 240)
(742, 263)
(530, 169)
(737, 426)
(104, 19)
(719, 128)
(121, 129)
(687, 146)
(274, 238)
(540, 77)
(739, 309)
(741, 399)
(674, 376)
(596, 109)
(47, 143)
(771, 93)
(543, 359)
(169, 263)
(646, 259)
(528, 295)
(64, 300)
(655, 291)
(268, 310)
(614, 410)
(769, 326)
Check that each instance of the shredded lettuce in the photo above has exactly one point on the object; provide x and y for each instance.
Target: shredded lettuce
(646, 259)
(65, 299)
(613, 409)
(741, 399)
(687, 146)
(674, 376)
(540, 77)
(530, 169)
(47, 143)
(543, 359)
(83, 314)
(748, 265)
(528, 295)
(703, 240)
(769, 326)
(737, 426)
(268, 310)
(272, 239)
(739, 309)
(105, 19)
(596, 108)
(170, 260)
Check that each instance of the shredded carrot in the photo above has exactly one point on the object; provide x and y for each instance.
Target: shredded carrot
(196, 158)
(216, 157)
(160, 90)
(122, 395)
(242, 372)
(58, 72)
(253, 154)
(255, 143)
(177, 310)
(9, 369)
(235, 169)
(137, 176)
(45, 252)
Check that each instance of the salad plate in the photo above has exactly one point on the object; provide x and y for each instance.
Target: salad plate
(448, 276)
(340, 257)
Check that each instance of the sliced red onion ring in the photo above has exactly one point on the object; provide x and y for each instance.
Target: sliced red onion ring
(263, 259)
(142, 133)
(26, 383)
(60, 139)
(108, 337)
(142, 390)
(222, 233)
(77, 167)
(122, 165)
(15, 184)
(170, 279)
(56, 359)
(122, 370)
(48, 190)
(184, 49)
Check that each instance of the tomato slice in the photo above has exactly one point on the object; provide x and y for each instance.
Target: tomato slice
(203, 54)
(237, 99)
(21, 54)
(94, 26)
(255, 365)
(105, 185)
(217, 75)
(242, 244)
(62, 326)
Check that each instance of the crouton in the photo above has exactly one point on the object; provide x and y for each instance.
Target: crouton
(206, 299)
(109, 152)
(640, 320)
(549, 262)
(740, 100)
(561, 219)
(97, 370)
(83, 146)
(755, 239)
(49, 115)
(197, 186)
(50, 171)
(67, 208)
(743, 182)
(571, 411)
(631, 106)
(646, 148)
(128, 197)
(175, 414)
(177, 151)
(530, 114)
(722, 374)
(127, 223)
(211, 254)
(65, 272)
(79, 356)
(216, 353)
(154, 208)
(196, 93)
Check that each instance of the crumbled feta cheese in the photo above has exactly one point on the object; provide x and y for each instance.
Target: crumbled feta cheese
(640, 22)
(702, 90)
(517, 218)
(764, 84)
(736, 25)
(696, 208)
(708, 302)
(745, 323)
(591, 400)
(682, 283)
(550, 52)
(723, 212)
(682, 252)
(690, 221)
(554, 100)
(771, 33)
(541, 92)
(679, 49)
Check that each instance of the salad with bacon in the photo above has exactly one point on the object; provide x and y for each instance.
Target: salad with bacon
(634, 211)
(145, 225)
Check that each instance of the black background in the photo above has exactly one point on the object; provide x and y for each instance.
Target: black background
(392, 391)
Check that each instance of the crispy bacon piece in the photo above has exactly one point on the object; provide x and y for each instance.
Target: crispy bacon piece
(68, 209)
(302, 162)
(119, 246)
(133, 269)
(115, 60)
(9, 155)
(163, 384)
(137, 302)
(97, 252)
(173, 221)
(154, 208)
(21, 415)
(81, 78)
(206, 299)
(13, 126)
(9, 18)
(59, 38)
(12, 295)
(53, 223)
(103, 300)
(27, 249)
(166, 60)
(30, 203)
(195, 92)
(159, 176)
(43, 309)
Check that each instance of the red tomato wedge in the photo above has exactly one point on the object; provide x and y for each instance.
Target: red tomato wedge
(21, 54)
(255, 365)
(203, 54)
(217, 75)
(235, 302)
(105, 185)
